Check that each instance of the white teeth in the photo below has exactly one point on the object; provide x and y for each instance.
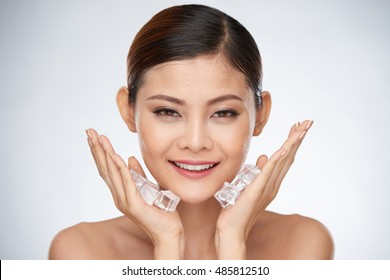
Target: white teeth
(194, 167)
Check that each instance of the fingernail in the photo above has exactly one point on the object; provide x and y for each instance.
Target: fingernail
(100, 140)
(309, 125)
(88, 133)
(302, 135)
(89, 142)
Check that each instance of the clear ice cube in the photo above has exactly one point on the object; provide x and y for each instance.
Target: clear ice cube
(165, 200)
(249, 173)
(227, 195)
(148, 191)
(230, 192)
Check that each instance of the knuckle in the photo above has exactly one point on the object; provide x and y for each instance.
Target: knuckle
(108, 183)
(102, 174)
(127, 206)
(119, 205)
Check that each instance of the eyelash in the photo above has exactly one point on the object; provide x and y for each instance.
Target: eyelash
(166, 112)
(228, 113)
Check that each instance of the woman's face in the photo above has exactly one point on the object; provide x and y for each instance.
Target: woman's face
(195, 119)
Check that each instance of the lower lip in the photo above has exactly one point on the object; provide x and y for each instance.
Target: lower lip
(193, 174)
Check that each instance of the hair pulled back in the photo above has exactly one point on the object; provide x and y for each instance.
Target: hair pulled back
(187, 31)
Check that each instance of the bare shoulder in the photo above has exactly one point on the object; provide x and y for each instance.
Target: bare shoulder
(70, 243)
(310, 239)
(280, 236)
(110, 239)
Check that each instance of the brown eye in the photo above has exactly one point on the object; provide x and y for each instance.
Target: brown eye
(165, 112)
(225, 114)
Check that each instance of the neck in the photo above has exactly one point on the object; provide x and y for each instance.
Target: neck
(199, 223)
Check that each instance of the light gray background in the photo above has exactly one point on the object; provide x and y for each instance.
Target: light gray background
(62, 62)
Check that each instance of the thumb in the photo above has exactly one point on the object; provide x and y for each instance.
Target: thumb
(261, 161)
(134, 164)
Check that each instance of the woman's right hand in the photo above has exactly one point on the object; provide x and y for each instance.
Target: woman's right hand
(164, 229)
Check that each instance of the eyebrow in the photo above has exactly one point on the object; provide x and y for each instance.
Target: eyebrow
(223, 98)
(182, 102)
(167, 98)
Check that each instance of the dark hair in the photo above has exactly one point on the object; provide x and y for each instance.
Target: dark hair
(187, 31)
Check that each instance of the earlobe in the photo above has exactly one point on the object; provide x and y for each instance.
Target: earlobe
(125, 108)
(262, 113)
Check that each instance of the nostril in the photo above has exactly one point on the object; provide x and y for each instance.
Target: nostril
(195, 142)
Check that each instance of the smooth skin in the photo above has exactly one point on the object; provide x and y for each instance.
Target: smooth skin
(198, 109)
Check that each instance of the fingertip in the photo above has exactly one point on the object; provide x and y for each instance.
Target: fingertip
(131, 161)
(261, 161)
(298, 132)
(309, 124)
(134, 164)
(294, 128)
(90, 131)
(105, 142)
(103, 138)
(94, 135)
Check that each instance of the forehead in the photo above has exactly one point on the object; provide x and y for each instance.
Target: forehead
(204, 73)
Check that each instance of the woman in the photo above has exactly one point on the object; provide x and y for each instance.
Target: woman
(194, 98)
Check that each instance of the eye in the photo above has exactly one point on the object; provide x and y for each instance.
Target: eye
(166, 112)
(228, 113)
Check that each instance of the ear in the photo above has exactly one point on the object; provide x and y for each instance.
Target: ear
(126, 109)
(262, 113)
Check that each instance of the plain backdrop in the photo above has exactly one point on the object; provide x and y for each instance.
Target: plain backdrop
(61, 63)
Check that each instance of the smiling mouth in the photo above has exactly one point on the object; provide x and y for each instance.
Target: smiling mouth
(194, 167)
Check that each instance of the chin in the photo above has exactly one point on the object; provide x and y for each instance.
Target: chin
(194, 198)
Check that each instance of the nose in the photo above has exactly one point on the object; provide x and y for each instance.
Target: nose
(195, 137)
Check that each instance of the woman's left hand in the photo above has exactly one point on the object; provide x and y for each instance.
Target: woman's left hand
(235, 223)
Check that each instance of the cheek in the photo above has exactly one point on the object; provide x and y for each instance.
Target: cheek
(234, 140)
(153, 138)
